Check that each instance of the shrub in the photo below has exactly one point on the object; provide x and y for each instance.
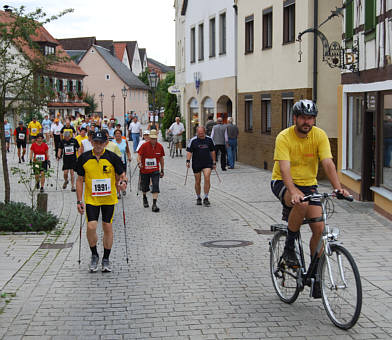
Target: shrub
(19, 217)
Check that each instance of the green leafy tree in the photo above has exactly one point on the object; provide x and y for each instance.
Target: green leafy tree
(169, 102)
(90, 100)
(21, 82)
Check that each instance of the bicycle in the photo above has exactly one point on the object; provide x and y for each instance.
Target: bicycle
(335, 270)
(172, 146)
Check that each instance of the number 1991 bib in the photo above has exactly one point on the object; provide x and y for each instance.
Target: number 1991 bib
(101, 187)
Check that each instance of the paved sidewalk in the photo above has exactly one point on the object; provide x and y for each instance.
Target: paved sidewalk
(174, 287)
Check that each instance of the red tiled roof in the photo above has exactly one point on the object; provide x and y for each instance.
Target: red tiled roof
(66, 66)
(59, 104)
(78, 44)
(119, 49)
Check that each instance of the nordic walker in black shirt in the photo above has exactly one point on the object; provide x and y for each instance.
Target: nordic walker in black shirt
(202, 151)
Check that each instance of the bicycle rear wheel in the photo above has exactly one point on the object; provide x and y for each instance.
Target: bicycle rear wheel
(341, 287)
(284, 279)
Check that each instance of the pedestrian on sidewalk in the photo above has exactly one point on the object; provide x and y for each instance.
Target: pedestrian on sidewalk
(68, 147)
(232, 135)
(135, 130)
(210, 124)
(202, 151)
(20, 135)
(150, 157)
(7, 134)
(100, 169)
(220, 138)
(177, 129)
(39, 157)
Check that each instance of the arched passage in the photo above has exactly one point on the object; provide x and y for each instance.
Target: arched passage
(224, 108)
(193, 115)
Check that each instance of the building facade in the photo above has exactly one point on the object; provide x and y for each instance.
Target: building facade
(206, 52)
(271, 78)
(365, 105)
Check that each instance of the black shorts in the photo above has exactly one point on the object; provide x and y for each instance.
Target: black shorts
(196, 170)
(7, 139)
(92, 212)
(278, 188)
(21, 144)
(145, 182)
(69, 164)
(40, 166)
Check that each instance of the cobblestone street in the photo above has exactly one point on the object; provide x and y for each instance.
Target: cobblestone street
(174, 287)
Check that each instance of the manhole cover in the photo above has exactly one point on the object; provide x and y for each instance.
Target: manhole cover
(226, 244)
(56, 245)
(263, 232)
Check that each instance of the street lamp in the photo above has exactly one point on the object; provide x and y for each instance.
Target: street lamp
(113, 97)
(101, 96)
(124, 94)
(153, 81)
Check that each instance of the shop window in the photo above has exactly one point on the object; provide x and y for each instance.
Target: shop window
(266, 115)
(249, 34)
(387, 141)
(287, 112)
(354, 138)
(248, 113)
(288, 21)
(267, 28)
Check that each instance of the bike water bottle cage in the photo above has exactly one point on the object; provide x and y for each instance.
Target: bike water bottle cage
(305, 107)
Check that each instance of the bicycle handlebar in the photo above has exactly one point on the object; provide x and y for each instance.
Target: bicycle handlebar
(338, 195)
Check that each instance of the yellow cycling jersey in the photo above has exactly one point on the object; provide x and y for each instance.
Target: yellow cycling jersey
(34, 128)
(303, 153)
(100, 177)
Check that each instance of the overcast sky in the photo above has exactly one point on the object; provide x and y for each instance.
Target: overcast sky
(150, 22)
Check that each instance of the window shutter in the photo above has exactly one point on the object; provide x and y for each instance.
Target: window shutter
(58, 85)
(349, 21)
(370, 14)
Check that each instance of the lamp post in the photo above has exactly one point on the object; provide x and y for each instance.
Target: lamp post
(113, 98)
(124, 94)
(153, 81)
(101, 96)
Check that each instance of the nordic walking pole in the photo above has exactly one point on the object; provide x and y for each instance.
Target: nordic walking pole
(80, 236)
(57, 177)
(186, 176)
(138, 185)
(125, 229)
(130, 177)
(218, 176)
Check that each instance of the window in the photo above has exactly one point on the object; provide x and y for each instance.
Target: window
(201, 42)
(288, 21)
(212, 37)
(354, 138)
(267, 28)
(287, 112)
(107, 76)
(249, 22)
(370, 19)
(248, 113)
(349, 21)
(387, 141)
(193, 45)
(222, 33)
(48, 50)
(266, 114)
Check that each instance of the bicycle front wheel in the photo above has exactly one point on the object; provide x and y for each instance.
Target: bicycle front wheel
(172, 149)
(341, 287)
(284, 279)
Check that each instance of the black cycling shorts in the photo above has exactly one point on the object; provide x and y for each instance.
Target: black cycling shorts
(145, 182)
(92, 212)
(21, 144)
(278, 188)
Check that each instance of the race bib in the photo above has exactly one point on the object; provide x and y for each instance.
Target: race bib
(33, 130)
(46, 129)
(101, 187)
(69, 150)
(150, 163)
(21, 136)
(57, 133)
(40, 158)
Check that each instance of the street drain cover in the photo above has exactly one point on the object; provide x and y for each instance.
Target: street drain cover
(227, 244)
(56, 245)
(263, 232)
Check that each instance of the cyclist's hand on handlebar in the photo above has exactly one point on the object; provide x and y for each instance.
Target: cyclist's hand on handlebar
(297, 197)
(343, 194)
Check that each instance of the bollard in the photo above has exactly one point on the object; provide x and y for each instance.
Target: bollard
(42, 202)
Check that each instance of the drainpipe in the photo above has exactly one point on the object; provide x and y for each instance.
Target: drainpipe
(315, 48)
(235, 6)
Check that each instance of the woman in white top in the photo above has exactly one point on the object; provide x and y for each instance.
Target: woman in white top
(86, 144)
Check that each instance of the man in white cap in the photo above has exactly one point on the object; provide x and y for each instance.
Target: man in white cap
(150, 158)
(146, 138)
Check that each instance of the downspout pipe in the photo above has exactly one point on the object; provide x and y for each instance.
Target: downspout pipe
(315, 51)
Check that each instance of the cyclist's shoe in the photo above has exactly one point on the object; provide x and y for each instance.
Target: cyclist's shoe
(94, 263)
(106, 266)
(198, 201)
(316, 292)
(206, 202)
(290, 257)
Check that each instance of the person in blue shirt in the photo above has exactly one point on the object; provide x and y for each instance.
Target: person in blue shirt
(46, 125)
(7, 134)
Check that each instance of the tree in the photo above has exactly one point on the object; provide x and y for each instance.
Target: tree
(169, 101)
(22, 66)
(90, 100)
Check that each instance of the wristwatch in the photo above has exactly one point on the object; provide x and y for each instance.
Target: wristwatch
(188, 160)
(79, 202)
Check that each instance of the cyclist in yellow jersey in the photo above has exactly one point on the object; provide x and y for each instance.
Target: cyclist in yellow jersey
(298, 151)
(99, 169)
(34, 128)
